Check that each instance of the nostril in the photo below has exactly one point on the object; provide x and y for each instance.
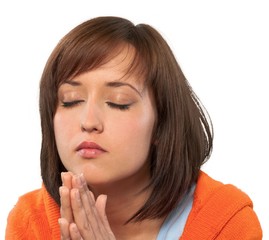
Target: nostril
(82, 128)
(92, 128)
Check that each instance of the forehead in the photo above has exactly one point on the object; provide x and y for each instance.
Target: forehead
(122, 64)
(123, 57)
(119, 67)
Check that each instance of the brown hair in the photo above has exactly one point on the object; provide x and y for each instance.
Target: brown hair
(183, 133)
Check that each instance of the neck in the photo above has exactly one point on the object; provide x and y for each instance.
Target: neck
(124, 198)
(121, 209)
(122, 203)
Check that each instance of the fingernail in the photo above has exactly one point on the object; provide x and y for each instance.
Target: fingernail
(60, 221)
(74, 227)
(62, 177)
(77, 194)
(78, 180)
(82, 179)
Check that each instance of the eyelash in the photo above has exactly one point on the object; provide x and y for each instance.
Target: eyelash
(122, 107)
(71, 104)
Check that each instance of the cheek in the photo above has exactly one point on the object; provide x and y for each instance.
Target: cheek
(58, 125)
(134, 133)
(58, 131)
(137, 144)
(62, 133)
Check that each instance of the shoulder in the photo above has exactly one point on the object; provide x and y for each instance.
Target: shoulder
(27, 205)
(221, 209)
(208, 189)
(31, 213)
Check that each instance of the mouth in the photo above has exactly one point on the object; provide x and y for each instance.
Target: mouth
(89, 150)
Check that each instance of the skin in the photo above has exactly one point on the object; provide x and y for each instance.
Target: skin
(103, 188)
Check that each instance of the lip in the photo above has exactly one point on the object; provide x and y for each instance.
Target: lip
(89, 150)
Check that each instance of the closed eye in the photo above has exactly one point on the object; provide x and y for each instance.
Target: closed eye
(121, 107)
(71, 103)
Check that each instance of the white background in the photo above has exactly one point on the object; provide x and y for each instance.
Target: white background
(222, 47)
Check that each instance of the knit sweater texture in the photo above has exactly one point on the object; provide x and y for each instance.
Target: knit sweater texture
(220, 211)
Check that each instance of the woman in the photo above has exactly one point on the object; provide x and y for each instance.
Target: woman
(123, 141)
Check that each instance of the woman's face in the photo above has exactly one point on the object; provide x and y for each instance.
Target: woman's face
(104, 122)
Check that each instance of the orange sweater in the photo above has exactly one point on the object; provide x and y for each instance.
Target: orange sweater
(219, 212)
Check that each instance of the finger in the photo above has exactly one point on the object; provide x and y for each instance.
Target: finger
(66, 211)
(74, 232)
(99, 224)
(86, 196)
(101, 205)
(101, 208)
(89, 222)
(64, 229)
(66, 208)
(87, 199)
(67, 179)
(80, 215)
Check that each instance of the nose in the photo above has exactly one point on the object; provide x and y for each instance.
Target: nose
(91, 119)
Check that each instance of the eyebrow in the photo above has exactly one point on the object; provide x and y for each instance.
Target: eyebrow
(113, 84)
(72, 83)
(116, 84)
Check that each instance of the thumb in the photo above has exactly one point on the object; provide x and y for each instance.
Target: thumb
(100, 205)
